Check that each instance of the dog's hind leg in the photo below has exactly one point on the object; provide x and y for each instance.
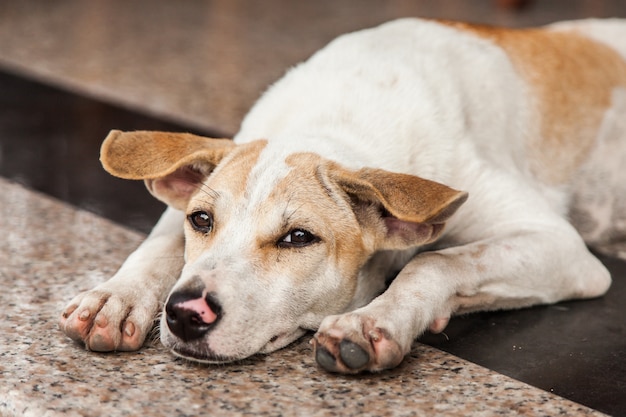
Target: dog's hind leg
(598, 206)
(119, 313)
(526, 265)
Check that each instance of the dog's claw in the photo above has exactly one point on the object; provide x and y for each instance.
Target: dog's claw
(374, 335)
(353, 355)
(69, 310)
(129, 329)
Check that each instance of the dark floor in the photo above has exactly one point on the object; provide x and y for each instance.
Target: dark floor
(49, 141)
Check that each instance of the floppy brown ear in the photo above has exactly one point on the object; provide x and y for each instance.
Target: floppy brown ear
(173, 165)
(412, 211)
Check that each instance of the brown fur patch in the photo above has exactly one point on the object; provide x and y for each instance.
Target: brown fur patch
(235, 171)
(572, 78)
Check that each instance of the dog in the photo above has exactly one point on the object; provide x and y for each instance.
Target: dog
(401, 175)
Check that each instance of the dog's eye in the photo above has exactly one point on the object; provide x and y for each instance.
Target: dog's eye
(201, 221)
(298, 238)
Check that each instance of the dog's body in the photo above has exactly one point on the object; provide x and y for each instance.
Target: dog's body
(304, 228)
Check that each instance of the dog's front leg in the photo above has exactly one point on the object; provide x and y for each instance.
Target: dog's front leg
(119, 313)
(517, 270)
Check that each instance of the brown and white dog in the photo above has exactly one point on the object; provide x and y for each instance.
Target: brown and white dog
(329, 211)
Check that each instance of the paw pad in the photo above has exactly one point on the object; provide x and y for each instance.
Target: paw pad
(353, 355)
(325, 359)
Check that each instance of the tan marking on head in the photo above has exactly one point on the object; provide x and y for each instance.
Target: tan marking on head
(228, 182)
(572, 78)
(234, 172)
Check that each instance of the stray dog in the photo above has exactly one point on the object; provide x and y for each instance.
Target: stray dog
(401, 175)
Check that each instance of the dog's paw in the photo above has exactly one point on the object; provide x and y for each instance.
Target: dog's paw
(106, 320)
(353, 343)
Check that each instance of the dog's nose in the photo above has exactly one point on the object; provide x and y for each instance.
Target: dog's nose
(191, 315)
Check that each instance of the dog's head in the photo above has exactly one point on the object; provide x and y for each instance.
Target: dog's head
(274, 242)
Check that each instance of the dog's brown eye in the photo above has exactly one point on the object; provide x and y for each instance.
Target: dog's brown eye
(201, 221)
(298, 238)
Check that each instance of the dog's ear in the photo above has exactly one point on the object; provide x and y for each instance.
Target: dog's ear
(405, 210)
(173, 165)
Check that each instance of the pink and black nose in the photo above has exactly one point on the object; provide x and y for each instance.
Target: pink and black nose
(190, 315)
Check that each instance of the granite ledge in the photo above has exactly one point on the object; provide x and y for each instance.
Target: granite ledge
(52, 251)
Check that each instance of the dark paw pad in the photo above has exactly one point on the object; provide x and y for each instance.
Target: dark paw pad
(353, 355)
(325, 359)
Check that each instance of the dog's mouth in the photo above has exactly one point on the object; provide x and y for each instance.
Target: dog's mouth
(203, 354)
(282, 340)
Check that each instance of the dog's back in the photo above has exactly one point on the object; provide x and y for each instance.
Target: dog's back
(612, 32)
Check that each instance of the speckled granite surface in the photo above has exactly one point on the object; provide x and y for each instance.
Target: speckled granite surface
(50, 251)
